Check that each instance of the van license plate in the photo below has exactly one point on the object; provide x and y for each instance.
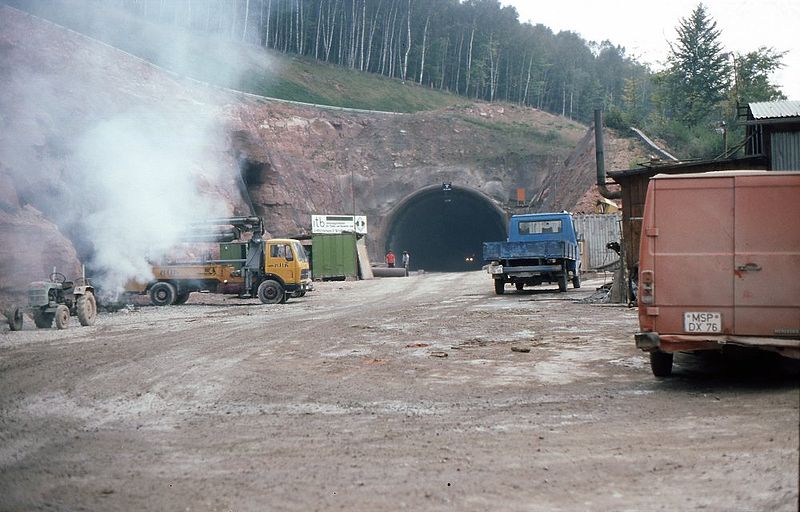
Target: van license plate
(702, 321)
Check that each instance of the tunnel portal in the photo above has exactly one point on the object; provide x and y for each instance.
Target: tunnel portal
(443, 228)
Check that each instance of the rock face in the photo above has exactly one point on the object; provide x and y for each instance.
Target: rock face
(301, 161)
(32, 249)
(102, 145)
(104, 157)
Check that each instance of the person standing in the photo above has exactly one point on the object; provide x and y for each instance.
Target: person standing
(406, 259)
(390, 259)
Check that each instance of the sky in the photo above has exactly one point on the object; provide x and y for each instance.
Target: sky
(644, 28)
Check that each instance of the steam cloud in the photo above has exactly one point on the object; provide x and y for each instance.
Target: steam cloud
(141, 171)
(121, 183)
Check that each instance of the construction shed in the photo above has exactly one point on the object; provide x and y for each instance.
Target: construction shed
(773, 130)
(772, 143)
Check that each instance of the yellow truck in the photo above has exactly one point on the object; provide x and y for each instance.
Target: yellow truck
(272, 270)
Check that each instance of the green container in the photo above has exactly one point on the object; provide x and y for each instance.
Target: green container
(334, 256)
(233, 251)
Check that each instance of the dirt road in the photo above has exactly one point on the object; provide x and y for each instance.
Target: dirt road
(388, 394)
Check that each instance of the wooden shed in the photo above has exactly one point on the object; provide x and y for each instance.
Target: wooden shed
(772, 142)
(634, 188)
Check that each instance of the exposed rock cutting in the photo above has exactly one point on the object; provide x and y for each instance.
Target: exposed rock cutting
(281, 161)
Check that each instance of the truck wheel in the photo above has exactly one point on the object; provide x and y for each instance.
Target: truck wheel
(162, 294)
(661, 363)
(42, 319)
(86, 308)
(271, 292)
(576, 281)
(182, 298)
(562, 281)
(15, 319)
(499, 286)
(519, 286)
(62, 316)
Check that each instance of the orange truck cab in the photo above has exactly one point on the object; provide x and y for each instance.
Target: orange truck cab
(719, 264)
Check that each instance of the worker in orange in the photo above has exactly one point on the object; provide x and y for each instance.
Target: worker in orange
(390, 259)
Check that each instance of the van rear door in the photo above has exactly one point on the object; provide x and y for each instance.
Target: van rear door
(689, 239)
(767, 255)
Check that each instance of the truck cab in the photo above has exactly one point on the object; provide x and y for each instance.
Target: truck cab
(286, 261)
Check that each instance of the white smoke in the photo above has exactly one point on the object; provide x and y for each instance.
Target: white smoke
(141, 171)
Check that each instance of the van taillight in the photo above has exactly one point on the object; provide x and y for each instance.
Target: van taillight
(646, 287)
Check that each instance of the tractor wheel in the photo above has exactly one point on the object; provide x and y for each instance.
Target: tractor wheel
(163, 294)
(15, 319)
(86, 308)
(271, 292)
(182, 298)
(62, 316)
(42, 319)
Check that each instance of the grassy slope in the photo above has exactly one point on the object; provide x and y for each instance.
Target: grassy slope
(239, 66)
(270, 73)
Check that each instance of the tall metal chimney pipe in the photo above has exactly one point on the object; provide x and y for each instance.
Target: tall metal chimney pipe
(600, 158)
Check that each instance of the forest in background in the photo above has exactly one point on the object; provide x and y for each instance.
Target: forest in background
(480, 50)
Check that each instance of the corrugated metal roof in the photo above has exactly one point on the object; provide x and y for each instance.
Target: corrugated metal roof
(775, 109)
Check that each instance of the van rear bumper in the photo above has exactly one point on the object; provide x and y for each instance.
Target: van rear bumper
(651, 341)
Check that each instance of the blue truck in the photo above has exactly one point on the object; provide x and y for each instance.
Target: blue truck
(541, 248)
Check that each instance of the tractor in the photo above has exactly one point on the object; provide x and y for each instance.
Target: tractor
(58, 299)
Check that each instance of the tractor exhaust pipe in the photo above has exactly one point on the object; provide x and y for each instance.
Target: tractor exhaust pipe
(600, 158)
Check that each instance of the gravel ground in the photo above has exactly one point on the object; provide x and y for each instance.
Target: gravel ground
(419, 393)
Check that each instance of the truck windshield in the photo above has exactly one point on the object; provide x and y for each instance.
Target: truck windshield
(300, 251)
(536, 227)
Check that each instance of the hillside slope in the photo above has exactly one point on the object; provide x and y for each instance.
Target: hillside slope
(119, 154)
(238, 66)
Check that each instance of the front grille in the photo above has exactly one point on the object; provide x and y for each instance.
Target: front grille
(37, 297)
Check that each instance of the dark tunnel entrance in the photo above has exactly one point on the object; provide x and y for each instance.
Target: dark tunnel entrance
(443, 228)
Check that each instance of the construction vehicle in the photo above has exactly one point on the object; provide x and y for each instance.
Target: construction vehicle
(272, 270)
(57, 299)
(541, 248)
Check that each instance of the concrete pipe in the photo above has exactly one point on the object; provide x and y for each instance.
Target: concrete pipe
(389, 272)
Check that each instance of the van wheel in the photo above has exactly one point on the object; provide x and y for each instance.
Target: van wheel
(271, 292)
(62, 316)
(661, 363)
(499, 286)
(162, 294)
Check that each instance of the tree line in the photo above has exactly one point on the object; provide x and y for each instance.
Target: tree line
(480, 49)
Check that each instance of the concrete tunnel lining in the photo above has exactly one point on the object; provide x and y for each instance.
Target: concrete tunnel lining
(442, 229)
